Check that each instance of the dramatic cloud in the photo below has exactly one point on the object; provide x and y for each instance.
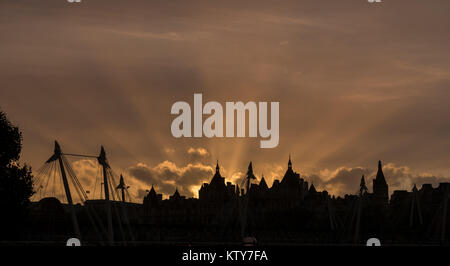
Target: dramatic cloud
(403, 178)
(346, 180)
(340, 181)
(167, 176)
(356, 82)
(169, 151)
(87, 172)
(198, 154)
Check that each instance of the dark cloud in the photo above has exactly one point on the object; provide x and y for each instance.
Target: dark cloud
(167, 176)
(141, 194)
(345, 180)
(340, 181)
(143, 173)
(403, 178)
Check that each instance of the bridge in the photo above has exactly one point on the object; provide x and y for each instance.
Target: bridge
(58, 172)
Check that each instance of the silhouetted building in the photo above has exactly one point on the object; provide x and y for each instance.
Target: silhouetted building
(292, 187)
(289, 210)
(151, 201)
(176, 196)
(216, 191)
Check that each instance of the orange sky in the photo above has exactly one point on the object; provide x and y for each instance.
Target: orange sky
(356, 82)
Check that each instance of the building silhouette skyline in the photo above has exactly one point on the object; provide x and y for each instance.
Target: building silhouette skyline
(289, 211)
(291, 185)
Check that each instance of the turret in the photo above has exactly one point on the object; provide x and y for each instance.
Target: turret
(312, 189)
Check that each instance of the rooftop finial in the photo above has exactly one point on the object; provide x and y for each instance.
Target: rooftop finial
(217, 166)
(250, 174)
(289, 162)
(176, 194)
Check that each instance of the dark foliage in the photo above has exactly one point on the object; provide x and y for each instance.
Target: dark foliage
(16, 182)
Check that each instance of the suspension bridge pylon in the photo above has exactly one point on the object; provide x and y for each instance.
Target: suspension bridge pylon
(103, 161)
(57, 155)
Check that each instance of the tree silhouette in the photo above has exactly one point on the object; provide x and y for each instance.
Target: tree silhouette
(16, 183)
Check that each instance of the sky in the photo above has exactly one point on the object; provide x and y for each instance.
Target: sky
(356, 82)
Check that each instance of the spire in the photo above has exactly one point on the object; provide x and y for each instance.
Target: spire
(217, 179)
(362, 187)
(249, 177)
(176, 194)
(380, 187)
(152, 193)
(250, 169)
(380, 176)
(289, 162)
(250, 174)
(262, 183)
(217, 167)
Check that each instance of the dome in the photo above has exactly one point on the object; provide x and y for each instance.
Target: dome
(50, 204)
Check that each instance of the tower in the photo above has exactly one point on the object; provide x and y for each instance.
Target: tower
(291, 185)
(380, 187)
(216, 190)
